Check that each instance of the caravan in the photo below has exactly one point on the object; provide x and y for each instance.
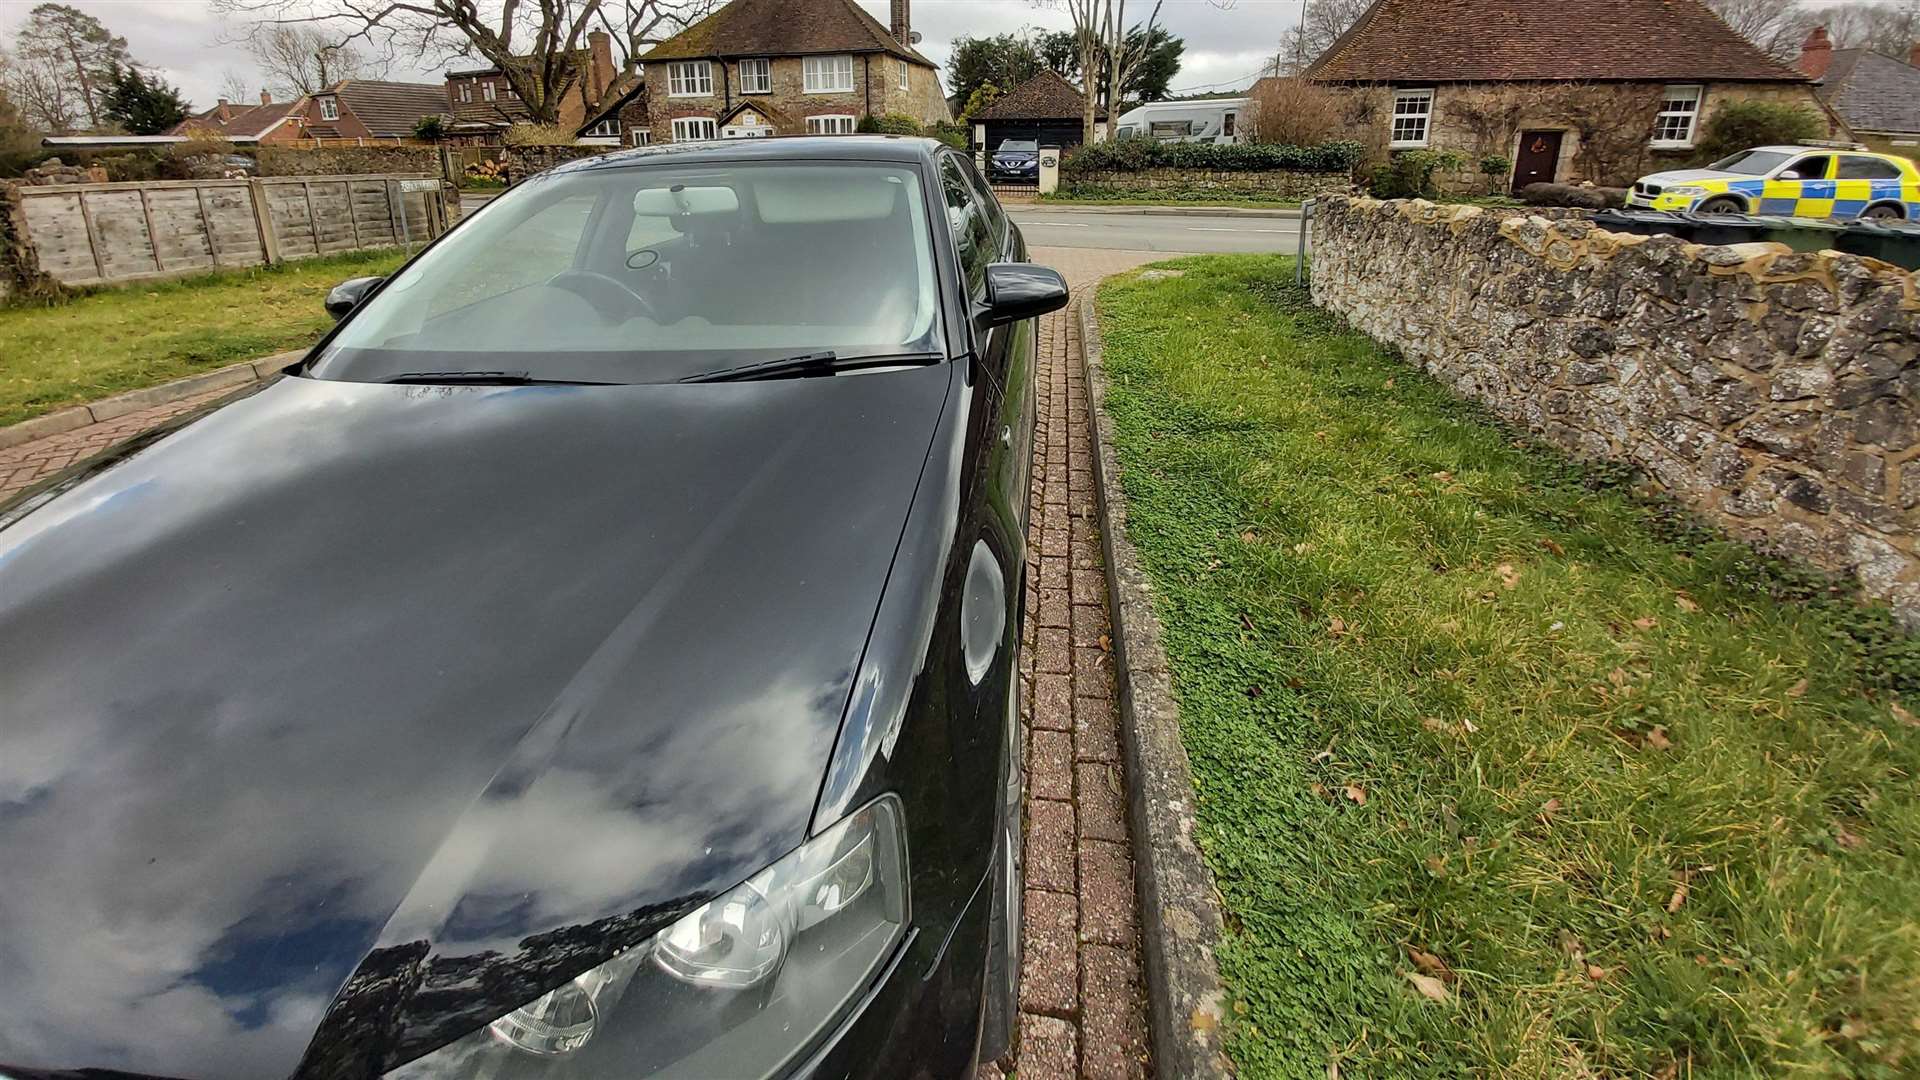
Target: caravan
(1215, 120)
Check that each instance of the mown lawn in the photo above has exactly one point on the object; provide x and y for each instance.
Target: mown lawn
(1503, 770)
(127, 337)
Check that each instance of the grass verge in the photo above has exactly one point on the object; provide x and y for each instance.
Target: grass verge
(1503, 770)
(126, 337)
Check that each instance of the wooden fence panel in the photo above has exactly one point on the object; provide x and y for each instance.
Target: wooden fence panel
(60, 235)
(93, 233)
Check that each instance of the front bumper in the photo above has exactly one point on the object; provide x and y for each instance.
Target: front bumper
(1663, 201)
(922, 1019)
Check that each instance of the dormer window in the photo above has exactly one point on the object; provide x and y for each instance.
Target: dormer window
(329, 108)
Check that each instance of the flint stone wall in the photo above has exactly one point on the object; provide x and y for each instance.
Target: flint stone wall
(1271, 184)
(1778, 393)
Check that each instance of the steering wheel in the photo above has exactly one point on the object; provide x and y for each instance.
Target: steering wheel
(610, 297)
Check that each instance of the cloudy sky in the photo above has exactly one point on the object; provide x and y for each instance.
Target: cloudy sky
(1227, 40)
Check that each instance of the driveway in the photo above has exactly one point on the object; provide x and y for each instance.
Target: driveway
(1213, 234)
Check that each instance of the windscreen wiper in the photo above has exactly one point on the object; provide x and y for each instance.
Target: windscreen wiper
(806, 364)
(483, 378)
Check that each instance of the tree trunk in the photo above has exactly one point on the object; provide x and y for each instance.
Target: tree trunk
(86, 84)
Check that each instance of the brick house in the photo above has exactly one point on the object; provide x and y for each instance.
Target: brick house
(1878, 96)
(786, 67)
(268, 122)
(367, 110)
(1605, 94)
(482, 104)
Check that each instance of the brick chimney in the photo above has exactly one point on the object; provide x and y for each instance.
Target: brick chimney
(600, 63)
(902, 26)
(1913, 55)
(1816, 52)
(266, 98)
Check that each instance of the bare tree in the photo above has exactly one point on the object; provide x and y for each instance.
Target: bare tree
(41, 88)
(235, 88)
(1090, 19)
(1776, 26)
(1891, 28)
(1321, 24)
(57, 36)
(639, 25)
(538, 45)
(1126, 58)
(304, 59)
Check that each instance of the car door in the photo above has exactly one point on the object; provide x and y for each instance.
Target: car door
(1015, 371)
(1862, 181)
(1801, 188)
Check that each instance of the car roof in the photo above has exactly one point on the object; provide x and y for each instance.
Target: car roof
(899, 149)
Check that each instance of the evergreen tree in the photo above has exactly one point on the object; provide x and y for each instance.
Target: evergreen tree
(141, 105)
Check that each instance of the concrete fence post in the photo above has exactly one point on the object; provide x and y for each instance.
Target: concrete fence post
(263, 220)
(1049, 169)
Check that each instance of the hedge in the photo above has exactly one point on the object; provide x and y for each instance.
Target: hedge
(1139, 155)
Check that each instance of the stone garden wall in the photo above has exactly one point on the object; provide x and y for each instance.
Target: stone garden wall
(1777, 393)
(1206, 183)
(342, 160)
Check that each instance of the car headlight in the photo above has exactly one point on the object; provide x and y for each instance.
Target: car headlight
(736, 987)
(1686, 189)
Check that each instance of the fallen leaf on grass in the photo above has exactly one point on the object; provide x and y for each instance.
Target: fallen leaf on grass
(1388, 385)
(1848, 839)
(1430, 964)
(1437, 866)
(1247, 537)
(1430, 988)
(1443, 476)
(1657, 738)
(1549, 808)
(1687, 603)
(1553, 548)
(1646, 623)
(1597, 973)
(1302, 548)
(1570, 945)
(1319, 790)
(1798, 689)
(1509, 577)
(1336, 626)
(1356, 794)
(1902, 715)
(1679, 897)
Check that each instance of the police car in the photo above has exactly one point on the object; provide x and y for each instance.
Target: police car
(1795, 181)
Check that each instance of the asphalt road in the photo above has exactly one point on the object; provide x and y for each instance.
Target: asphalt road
(1053, 227)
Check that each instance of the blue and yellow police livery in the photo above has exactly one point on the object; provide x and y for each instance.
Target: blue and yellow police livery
(1795, 181)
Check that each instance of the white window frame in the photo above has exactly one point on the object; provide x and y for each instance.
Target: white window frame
(690, 78)
(488, 92)
(640, 137)
(466, 93)
(831, 124)
(1678, 121)
(906, 73)
(827, 74)
(757, 78)
(608, 127)
(690, 128)
(329, 108)
(1414, 107)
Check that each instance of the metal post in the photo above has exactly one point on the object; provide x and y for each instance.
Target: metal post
(1300, 256)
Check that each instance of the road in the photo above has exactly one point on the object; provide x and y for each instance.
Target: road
(1053, 227)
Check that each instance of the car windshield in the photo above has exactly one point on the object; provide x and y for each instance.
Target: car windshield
(1751, 162)
(657, 272)
(1016, 146)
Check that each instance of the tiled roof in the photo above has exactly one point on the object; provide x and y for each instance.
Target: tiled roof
(784, 28)
(1046, 96)
(1542, 40)
(391, 109)
(623, 90)
(242, 123)
(1872, 92)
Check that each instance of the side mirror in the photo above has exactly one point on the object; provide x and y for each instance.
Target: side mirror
(347, 295)
(1017, 291)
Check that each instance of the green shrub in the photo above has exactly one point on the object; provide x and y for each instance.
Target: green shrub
(1409, 175)
(1139, 155)
(1739, 125)
(890, 124)
(954, 135)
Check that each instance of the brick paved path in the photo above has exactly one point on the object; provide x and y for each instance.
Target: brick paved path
(1082, 1010)
(29, 462)
(1081, 998)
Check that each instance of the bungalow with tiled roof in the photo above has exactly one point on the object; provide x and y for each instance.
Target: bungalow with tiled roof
(1877, 95)
(364, 111)
(267, 122)
(787, 67)
(1563, 90)
(1046, 108)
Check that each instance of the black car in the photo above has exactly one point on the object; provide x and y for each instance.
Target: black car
(1015, 160)
(596, 658)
